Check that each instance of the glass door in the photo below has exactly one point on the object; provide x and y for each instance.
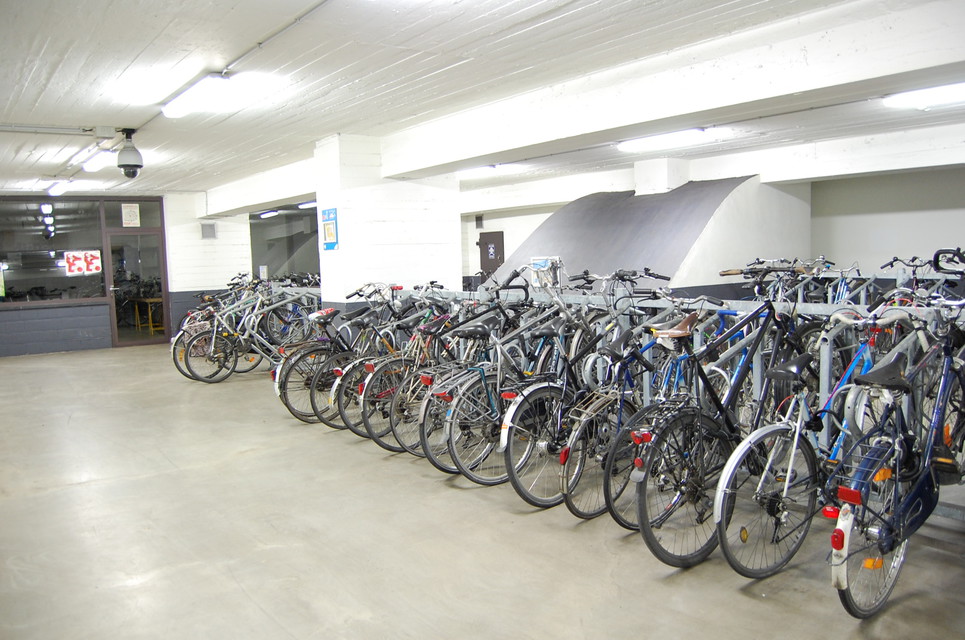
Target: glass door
(138, 291)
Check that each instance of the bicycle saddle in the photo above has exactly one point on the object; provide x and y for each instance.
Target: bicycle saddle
(792, 370)
(888, 375)
(323, 316)
(616, 348)
(554, 327)
(348, 316)
(681, 330)
(478, 329)
(411, 321)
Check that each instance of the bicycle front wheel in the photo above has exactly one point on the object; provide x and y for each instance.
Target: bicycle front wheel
(380, 387)
(584, 469)
(675, 496)
(769, 497)
(473, 421)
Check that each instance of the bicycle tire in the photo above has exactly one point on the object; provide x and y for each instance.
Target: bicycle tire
(675, 494)
(210, 358)
(584, 471)
(376, 401)
(769, 497)
(404, 412)
(872, 570)
(433, 435)
(473, 421)
(618, 491)
(533, 445)
(295, 379)
(320, 389)
(348, 397)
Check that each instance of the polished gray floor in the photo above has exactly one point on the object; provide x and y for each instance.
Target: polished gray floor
(135, 503)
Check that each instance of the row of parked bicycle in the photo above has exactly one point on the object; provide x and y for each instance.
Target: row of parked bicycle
(698, 422)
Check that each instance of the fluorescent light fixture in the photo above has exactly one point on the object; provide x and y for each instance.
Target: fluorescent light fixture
(100, 160)
(676, 140)
(308, 205)
(46, 208)
(924, 99)
(493, 171)
(52, 254)
(4, 266)
(47, 219)
(222, 93)
(58, 188)
(268, 214)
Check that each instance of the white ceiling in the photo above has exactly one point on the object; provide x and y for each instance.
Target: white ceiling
(368, 67)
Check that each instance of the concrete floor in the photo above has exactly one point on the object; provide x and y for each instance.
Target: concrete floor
(135, 503)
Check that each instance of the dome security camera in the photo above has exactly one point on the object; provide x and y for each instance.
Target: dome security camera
(129, 158)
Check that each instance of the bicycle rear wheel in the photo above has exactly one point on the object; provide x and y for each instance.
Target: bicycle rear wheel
(380, 387)
(473, 421)
(873, 560)
(769, 498)
(584, 469)
(295, 378)
(348, 397)
(675, 495)
(210, 357)
(404, 412)
(320, 389)
(533, 446)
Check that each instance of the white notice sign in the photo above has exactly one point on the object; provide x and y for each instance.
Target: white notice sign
(131, 215)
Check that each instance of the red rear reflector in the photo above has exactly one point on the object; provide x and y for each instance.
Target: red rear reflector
(852, 496)
(564, 455)
(361, 387)
(426, 380)
(508, 395)
(837, 539)
(337, 372)
(641, 437)
(369, 367)
(445, 397)
(397, 287)
(638, 463)
(273, 375)
(830, 511)
(281, 350)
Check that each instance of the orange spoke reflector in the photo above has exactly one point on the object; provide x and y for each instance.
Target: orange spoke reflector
(882, 475)
(872, 563)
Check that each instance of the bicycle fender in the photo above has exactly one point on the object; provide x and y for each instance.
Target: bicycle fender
(275, 379)
(732, 461)
(509, 417)
(839, 571)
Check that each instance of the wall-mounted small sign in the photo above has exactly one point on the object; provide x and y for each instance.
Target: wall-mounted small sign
(82, 263)
(329, 229)
(131, 215)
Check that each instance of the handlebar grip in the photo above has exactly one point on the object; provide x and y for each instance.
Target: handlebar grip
(624, 274)
(732, 272)
(656, 276)
(579, 276)
(354, 294)
(713, 300)
(512, 276)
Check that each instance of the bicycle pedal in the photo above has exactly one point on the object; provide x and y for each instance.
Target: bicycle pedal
(947, 471)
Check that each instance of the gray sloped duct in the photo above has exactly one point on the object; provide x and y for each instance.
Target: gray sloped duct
(603, 232)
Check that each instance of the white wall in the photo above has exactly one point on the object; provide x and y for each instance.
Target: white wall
(194, 263)
(873, 219)
(515, 225)
(396, 232)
